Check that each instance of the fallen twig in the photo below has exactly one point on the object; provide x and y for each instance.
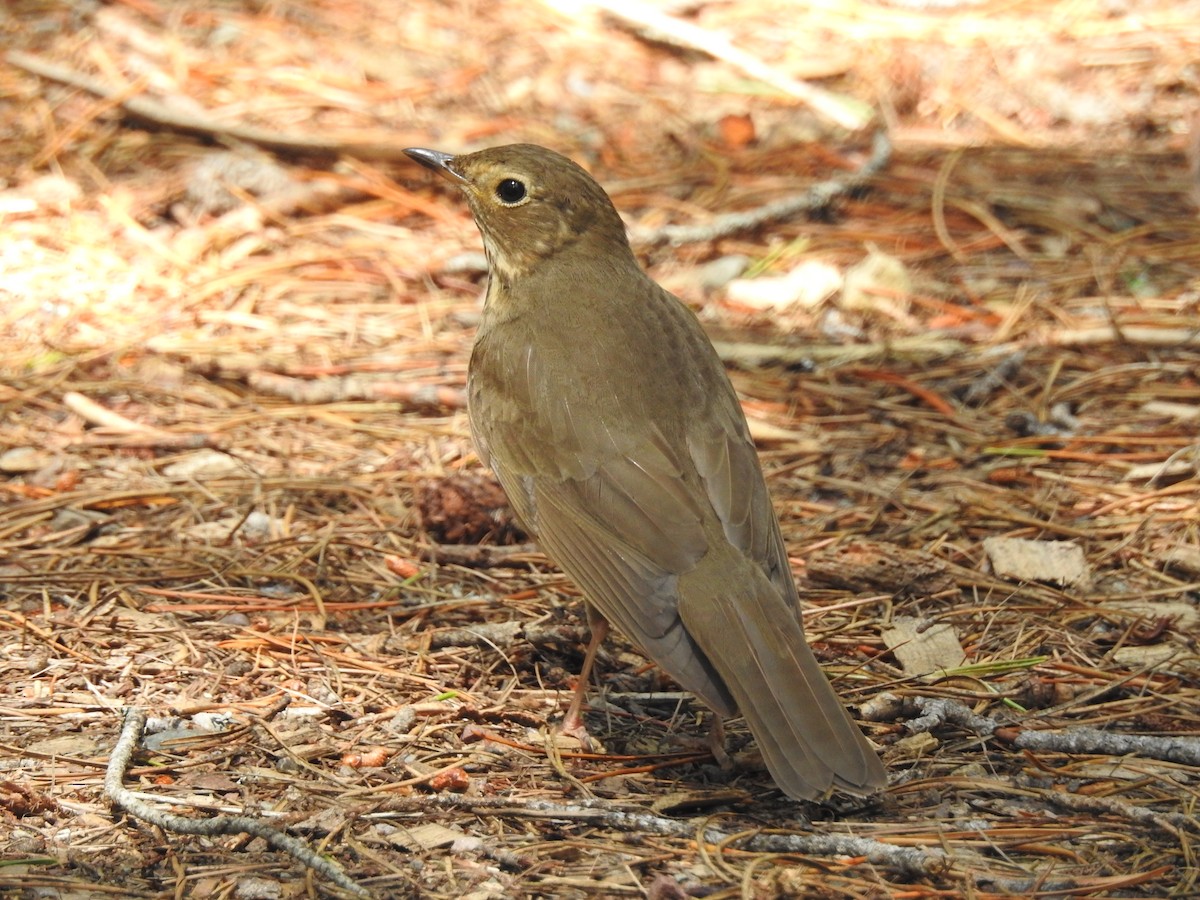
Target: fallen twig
(357, 387)
(906, 859)
(911, 347)
(479, 556)
(163, 114)
(817, 196)
(1129, 334)
(1172, 823)
(843, 111)
(91, 411)
(122, 753)
(936, 711)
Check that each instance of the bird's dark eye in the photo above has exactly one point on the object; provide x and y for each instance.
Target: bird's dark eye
(510, 191)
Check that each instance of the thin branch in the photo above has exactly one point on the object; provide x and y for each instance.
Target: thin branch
(164, 115)
(909, 860)
(816, 197)
(936, 711)
(643, 18)
(114, 789)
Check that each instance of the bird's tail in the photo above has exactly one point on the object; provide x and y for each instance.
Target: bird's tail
(755, 640)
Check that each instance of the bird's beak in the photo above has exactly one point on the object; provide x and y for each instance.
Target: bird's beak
(436, 161)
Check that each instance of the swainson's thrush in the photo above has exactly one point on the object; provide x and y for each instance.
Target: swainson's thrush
(607, 415)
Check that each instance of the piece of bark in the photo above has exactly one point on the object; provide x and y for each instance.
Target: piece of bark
(1053, 562)
(923, 647)
(885, 568)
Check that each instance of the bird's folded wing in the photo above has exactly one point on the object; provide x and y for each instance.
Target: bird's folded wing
(625, 534)
(728, 465)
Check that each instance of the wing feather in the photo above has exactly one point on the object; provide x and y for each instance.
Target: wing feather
(638, 593)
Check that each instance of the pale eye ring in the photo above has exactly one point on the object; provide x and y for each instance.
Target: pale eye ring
(510, 191)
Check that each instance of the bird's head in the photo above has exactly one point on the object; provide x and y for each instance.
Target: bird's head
(531, 205)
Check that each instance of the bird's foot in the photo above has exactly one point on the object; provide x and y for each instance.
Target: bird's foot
(716, 744)
(572, 727)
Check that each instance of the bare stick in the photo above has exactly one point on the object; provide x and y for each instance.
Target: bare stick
(164, 114)
(843, 111)
(936, 711)
(816, 197)
(905, 859)
(131, 733)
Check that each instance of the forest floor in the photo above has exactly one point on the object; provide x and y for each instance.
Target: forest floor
(238, 492)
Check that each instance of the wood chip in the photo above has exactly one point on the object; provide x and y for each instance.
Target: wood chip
(427, 836)
(922, 648)
(1055, 562)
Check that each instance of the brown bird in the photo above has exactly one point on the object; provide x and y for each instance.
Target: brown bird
(607, 416)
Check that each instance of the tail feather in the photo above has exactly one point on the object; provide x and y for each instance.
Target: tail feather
(754, 639)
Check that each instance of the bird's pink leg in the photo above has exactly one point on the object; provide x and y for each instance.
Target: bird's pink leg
(572, 723)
